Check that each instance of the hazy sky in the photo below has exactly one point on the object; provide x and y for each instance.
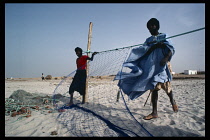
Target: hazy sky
(40, 38)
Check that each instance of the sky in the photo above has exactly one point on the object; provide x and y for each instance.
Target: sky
(41, 37)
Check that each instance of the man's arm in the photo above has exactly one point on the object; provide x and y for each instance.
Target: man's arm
(153, 47)
(166, 58)
(92, 56)
(160, 45)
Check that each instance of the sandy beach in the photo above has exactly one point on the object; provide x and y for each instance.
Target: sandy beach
(189, 94)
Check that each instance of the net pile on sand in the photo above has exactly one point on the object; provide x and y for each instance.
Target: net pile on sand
(22, 103)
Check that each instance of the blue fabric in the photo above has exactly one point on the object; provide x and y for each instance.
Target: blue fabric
(146, 71)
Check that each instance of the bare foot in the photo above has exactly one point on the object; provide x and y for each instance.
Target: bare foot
(149, 117)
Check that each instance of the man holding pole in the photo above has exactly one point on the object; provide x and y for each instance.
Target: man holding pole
(79, 81)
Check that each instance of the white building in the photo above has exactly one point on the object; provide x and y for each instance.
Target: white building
(189, 72)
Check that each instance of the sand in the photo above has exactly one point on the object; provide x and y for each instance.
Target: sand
(188, 93)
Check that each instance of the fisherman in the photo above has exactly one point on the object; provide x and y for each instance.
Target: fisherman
(151, 69)
(42, 76)
(153, 27)
(79, 80)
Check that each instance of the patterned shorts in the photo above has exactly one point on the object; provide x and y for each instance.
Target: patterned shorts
(165, 86)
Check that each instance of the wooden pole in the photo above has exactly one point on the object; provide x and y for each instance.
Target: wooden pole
(147, 98)
(118, 95)
(85, 97)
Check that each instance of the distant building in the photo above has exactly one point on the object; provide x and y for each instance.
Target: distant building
(190, 72)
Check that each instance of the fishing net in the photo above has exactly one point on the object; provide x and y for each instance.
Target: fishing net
(27, 98)
(106, 114)
(22, 103)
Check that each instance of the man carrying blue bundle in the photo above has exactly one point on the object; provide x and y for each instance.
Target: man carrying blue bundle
(150, 69)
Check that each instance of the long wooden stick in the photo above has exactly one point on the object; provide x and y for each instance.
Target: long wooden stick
(147, 98)
(85, 96)
(118, 95)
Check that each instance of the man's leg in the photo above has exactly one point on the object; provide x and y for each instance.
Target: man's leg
(154, 99)
(71, 98)
(173, 103)
(170, 95)
(167, 87)
(83, 96)
(154, 102)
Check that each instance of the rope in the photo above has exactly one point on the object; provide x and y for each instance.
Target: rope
(145, 44)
